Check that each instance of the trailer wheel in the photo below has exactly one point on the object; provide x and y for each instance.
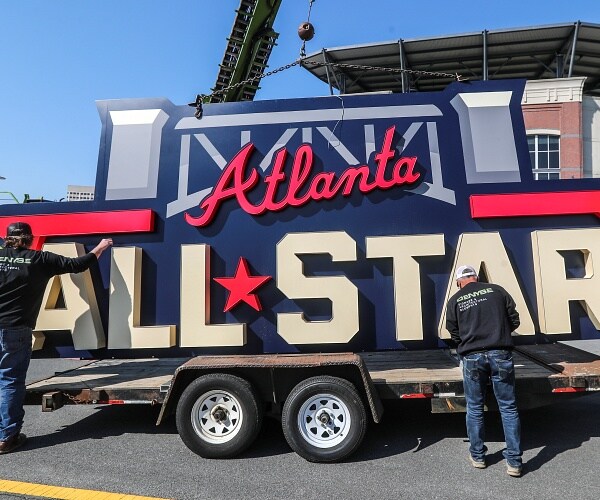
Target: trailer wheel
(324, 419)
(218, 415)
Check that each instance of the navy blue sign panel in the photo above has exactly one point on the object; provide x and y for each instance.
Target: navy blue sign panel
(247, 174)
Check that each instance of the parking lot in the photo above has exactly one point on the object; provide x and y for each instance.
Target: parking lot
(119, 449)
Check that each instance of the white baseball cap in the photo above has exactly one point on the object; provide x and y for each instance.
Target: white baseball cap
(465, 272)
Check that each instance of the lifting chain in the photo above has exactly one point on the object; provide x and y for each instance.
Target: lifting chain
(75, 400)
(306, 31)
(205, 98)
(383, 69)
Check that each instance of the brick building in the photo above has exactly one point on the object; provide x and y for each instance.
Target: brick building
(553, 111)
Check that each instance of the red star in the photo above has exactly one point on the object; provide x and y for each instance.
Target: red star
(241, 287)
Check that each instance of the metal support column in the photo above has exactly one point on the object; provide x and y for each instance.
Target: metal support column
(560, 65)
(484, 34)
(575, 35)
(327, 72)
(402, 66)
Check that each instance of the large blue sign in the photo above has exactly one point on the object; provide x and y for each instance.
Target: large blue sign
(322, 224)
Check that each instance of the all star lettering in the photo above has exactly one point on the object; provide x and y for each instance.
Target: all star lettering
(237, 180)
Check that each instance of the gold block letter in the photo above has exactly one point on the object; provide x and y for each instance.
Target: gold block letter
(407, 279)
(80, 313)
(291, 280)
(195, 327)
(554, 289)
(124, 330)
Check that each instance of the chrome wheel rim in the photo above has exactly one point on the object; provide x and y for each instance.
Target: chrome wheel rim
(324, 420)
(217, 416)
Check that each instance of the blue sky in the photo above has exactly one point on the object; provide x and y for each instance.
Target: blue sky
(58, 57)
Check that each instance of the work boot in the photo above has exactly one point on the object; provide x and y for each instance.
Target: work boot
(12, 443)
(513, 471)
(478, 464)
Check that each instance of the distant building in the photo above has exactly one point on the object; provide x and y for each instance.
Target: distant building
(80, 193)
(552, 110)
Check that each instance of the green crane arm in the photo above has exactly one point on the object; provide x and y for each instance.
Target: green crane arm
(248, 49)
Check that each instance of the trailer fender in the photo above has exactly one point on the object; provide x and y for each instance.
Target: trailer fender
(262, 367)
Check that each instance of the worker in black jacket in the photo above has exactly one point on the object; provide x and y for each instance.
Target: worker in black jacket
(24, 274)
(480, 318)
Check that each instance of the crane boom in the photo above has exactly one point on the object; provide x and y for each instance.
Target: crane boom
(248, 49)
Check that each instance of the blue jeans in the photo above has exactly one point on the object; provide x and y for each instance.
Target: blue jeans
(15, 353)
(478, 369)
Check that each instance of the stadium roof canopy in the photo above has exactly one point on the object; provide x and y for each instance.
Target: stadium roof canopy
(533, 53)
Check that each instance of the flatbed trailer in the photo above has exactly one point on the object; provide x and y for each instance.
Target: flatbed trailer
(545, 374)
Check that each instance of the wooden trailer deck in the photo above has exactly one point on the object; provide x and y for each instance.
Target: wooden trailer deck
(436, 373)
(112, 381)
(395, 374)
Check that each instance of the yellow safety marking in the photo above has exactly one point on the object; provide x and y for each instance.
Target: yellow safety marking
(47, 491)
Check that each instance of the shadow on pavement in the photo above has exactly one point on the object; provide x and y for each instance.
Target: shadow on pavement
(105, 422)
(554, 429)
(118, 420)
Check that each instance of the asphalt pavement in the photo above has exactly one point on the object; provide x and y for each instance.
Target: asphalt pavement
(119, 449)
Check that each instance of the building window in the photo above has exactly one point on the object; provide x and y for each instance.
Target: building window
(80, 193)
(544, 152)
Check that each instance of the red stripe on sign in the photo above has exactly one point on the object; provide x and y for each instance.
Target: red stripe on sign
(83, 223)
(569, 389)
(418, 395)
(535, 204)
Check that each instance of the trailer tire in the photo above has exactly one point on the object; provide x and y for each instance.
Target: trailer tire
(218, 415)
(324, 419)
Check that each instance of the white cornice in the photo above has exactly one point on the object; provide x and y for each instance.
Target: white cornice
(554, 90)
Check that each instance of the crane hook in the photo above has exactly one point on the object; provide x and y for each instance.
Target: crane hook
(306, 31)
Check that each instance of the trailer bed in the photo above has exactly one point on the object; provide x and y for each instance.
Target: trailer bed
(540, 369)
(111, 381)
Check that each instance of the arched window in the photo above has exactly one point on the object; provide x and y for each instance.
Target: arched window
(544, 151)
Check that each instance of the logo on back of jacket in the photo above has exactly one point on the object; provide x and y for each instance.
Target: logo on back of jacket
(9, 263)
(472, 299)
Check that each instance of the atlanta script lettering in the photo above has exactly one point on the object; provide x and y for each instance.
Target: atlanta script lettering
(237, 180)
